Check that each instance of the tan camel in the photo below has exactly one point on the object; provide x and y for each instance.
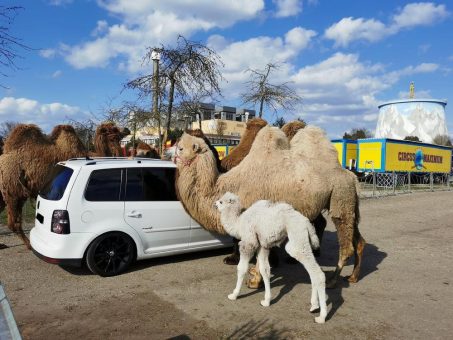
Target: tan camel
(310, 187)
(24, 167)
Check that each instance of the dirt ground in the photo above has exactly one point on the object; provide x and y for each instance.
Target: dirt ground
(405, 290)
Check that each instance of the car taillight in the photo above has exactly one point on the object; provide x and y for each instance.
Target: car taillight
(60, 222)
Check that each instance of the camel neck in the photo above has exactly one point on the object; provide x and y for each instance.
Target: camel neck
(229, 218)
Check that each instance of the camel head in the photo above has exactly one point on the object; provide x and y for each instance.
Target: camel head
(107, 140)
(228, 201)
(188, 148)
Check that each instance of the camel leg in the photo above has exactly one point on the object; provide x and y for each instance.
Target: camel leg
(359, 244)
(243, 265)
(233, 259)
(345, 231)
(317, 277)
(14, 209)
(320, 224)
(265, 270)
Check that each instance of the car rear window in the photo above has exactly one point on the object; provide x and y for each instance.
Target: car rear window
(104, 185)
(150, 184)
(56, 183)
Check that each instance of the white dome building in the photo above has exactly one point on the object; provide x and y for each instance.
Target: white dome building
(424, 118)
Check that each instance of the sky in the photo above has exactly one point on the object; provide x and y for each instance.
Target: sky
(343, 57)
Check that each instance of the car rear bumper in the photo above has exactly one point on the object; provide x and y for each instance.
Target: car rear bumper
(61, 262)
(60, 249)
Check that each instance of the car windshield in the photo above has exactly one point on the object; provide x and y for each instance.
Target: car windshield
(56, 183)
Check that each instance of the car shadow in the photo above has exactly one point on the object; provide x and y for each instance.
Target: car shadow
(158, 261)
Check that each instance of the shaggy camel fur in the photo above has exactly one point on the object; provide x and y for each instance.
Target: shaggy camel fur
(265, 225)
(107, 141)
(317, 182)
(145, 150)
(24, 169)
(290, 129)
(235, 157)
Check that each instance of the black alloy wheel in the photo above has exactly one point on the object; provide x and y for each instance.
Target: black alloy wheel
(110, 254)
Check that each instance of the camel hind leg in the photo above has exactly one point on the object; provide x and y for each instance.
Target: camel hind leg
(359, 244)
(304, 255)
(14, 209)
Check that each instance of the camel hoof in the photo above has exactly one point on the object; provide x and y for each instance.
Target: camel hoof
(314, 309)
(320, 319)
(253, 284)
(231, 260)
(352, 279)
(330, 284)
(232, 297)
(265, 303)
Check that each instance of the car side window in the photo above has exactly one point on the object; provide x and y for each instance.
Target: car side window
(104, 185)
(151, 184)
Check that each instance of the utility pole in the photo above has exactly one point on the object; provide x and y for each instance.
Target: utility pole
(155, 56)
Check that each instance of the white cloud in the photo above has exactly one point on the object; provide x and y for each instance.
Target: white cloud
(421, 13)
(57, 74)
(46, 115)
(48, 53)
(59, 2)
(255, 53)
(287, 8)
(349, 29)
(146, 23)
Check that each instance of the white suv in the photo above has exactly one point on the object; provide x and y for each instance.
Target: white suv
(107, 212)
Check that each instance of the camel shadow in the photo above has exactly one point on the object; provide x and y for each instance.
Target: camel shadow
(287, 276)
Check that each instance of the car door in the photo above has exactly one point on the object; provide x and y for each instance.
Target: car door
(200, 237)
(152, 209)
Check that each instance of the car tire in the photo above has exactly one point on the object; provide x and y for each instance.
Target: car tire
(110, 254)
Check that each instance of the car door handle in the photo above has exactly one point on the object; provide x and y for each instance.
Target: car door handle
(134, 214)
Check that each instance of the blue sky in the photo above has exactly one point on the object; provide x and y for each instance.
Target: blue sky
(343, 57)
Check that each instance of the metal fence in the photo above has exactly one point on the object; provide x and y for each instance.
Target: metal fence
(377, 184)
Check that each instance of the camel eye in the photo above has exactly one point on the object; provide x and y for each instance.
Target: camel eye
(180, 149)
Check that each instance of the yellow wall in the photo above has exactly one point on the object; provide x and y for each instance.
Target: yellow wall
(371, 151)
(221, 150)
(339, 147)
(351, 152)
(400, 157)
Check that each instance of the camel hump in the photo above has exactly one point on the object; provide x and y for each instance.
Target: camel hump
(312, 143)
(291, 128)
(23, 135)
(59, 129)
(269, 139)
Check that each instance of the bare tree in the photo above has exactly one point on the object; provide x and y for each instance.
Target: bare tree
(442, 140)
(358, 133)
(6, 127)
(220, 127)
(187, 71)
(9, 44)
(85, 130)
(260, 91)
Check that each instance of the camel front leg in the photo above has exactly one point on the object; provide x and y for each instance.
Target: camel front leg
(241, 271)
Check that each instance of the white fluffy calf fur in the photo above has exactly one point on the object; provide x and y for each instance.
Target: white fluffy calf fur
(265, 225)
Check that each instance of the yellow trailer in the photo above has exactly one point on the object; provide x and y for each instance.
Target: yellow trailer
(387, 155)
(223, 150)
(347, 152)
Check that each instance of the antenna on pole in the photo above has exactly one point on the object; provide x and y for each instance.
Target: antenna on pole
(412, 90)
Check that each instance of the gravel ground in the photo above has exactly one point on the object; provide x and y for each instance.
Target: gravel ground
(405, 290)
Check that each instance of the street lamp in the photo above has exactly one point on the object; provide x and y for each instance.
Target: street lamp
(155, 56)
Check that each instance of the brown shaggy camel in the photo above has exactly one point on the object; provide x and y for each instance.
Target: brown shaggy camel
(235, 157)
(145, 150)
(107, 140)
(310, 187)
(24, 167)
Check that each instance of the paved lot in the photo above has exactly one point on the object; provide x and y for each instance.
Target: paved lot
(405, 289)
